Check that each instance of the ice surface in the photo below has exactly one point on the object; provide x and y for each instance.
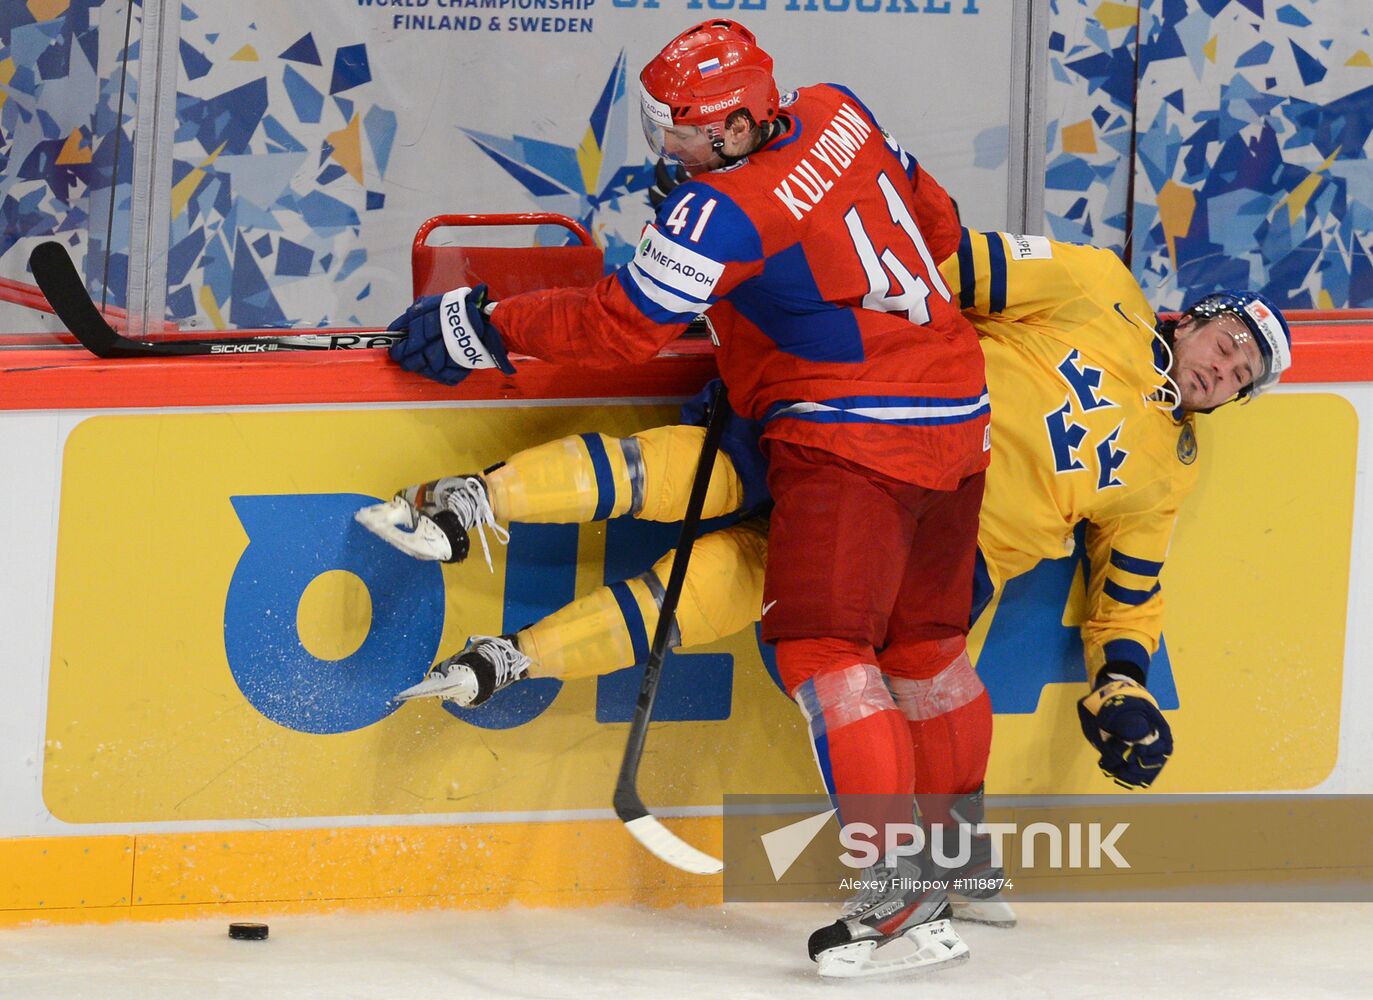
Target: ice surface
(754, 951)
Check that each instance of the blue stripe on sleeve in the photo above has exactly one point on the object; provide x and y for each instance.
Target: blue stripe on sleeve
(1128, 651)
(1131, 564)
(645, 305)
(1127, 596)
(967, 276)
(996, 257)
(696, 302)
(634, 620)
(605, 479)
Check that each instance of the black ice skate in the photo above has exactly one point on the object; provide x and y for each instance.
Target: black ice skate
(486, 665)
(975, 887)
(898, 921)
(431, 521)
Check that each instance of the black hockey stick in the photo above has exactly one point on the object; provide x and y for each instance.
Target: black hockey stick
(628, 805)
(56, 276)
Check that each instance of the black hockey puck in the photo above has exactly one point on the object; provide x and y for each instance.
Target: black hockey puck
(248, 932)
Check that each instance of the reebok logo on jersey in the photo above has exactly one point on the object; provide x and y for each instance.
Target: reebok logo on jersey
(836, 148)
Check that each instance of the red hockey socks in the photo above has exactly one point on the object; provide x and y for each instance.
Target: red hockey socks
(950, 720)
(861, 740)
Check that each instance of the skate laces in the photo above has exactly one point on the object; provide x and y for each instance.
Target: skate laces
(501, 653)
(468, 500)
(875, 886)
(867, 896)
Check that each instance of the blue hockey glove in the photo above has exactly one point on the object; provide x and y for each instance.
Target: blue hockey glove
(446, 336)
(1122, 720)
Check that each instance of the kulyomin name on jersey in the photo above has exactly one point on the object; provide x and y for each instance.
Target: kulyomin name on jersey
(836, 148)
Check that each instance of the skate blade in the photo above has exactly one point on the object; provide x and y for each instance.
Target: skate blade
(396, 523)
(923, 948)
(992, 912)
(460, 691)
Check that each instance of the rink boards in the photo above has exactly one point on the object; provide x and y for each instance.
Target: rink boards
(200, 645)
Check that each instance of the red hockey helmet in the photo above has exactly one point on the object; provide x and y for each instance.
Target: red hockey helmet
(700, 78)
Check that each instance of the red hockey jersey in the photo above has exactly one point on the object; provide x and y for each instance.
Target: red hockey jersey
(815, 259)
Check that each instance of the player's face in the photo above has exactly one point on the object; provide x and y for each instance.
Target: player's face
(1213, 359)
(691, 146)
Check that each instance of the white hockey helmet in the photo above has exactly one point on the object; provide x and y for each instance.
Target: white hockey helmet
(1265, 322)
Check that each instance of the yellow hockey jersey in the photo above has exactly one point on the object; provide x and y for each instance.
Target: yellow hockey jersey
(1081, 427)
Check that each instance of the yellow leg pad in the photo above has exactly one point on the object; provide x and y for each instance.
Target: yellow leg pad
(567, 481)
(723, 592)
(670, 456)
(611, 628)
(586, 638)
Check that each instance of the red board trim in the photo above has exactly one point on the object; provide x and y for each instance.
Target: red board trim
(1327, 347)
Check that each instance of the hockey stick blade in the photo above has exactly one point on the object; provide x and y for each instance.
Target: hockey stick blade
(57, 277)
(666, 845)
(657, 839)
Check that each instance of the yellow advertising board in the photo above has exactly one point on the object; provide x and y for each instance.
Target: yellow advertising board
(226, 640)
